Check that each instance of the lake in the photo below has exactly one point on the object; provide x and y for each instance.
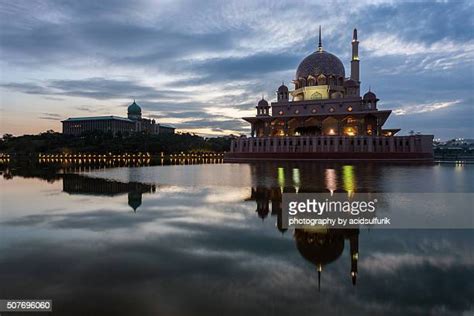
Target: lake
(207, 240)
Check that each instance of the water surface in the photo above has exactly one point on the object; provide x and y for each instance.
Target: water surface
(207, 240)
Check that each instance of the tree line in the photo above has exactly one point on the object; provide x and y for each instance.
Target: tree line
(105, 142)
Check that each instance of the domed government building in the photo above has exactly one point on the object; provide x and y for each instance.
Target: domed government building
(325, 117)
(133, 123)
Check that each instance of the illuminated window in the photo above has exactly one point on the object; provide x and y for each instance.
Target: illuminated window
(350, 131)
(349, 109)
(331, 109)
(281, 112)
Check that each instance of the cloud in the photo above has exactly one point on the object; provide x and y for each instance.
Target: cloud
(379, 263)
(50, 116)
(440, 55)
(422, 108)
(94, 88)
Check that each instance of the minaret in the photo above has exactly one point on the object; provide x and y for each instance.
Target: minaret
(320, 44)
(355, 58)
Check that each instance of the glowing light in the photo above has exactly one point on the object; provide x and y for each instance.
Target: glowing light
(281, 178)
(331, 180)
(332, 132)
(349, 131)
(348, 178)
(296, 178)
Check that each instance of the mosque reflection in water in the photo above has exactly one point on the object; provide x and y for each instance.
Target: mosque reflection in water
(319, 245)
(77, 184)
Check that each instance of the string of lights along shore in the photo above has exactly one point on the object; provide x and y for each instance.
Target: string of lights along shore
(326, 118)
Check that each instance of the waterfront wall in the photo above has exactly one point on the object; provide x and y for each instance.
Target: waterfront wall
(333, 147)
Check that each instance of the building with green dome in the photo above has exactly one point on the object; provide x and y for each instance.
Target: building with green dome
(133, 123)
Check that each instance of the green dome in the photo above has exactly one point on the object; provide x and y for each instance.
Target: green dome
(134, 109)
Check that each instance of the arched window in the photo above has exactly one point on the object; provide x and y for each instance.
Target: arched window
(336, 95)
(316, 96)
(330, 126)
(302, 82)
(321, 80)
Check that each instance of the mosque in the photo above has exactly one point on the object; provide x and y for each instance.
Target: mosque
(133, 123)
(326, 118)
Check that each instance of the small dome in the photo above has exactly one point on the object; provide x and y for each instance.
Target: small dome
(134, 108)
(283, 88)
(320, 62)
(263, 102)
(370, 96)
(351, 83)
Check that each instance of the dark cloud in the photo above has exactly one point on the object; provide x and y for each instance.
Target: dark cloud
(253, 66)
(94, 88)
(420, 21)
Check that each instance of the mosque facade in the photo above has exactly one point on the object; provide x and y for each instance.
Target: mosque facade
(325, 117)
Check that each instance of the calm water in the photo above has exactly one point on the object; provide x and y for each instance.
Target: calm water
(207, 240)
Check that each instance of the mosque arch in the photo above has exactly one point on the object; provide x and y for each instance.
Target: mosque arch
(330, 126)
(321, 80)
(316, 96)
(336, 95)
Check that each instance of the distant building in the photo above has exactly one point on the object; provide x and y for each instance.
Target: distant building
(115, 124)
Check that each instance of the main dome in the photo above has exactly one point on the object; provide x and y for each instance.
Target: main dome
(320, 62)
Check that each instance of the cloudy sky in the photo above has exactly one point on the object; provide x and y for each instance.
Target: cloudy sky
(201, 65)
